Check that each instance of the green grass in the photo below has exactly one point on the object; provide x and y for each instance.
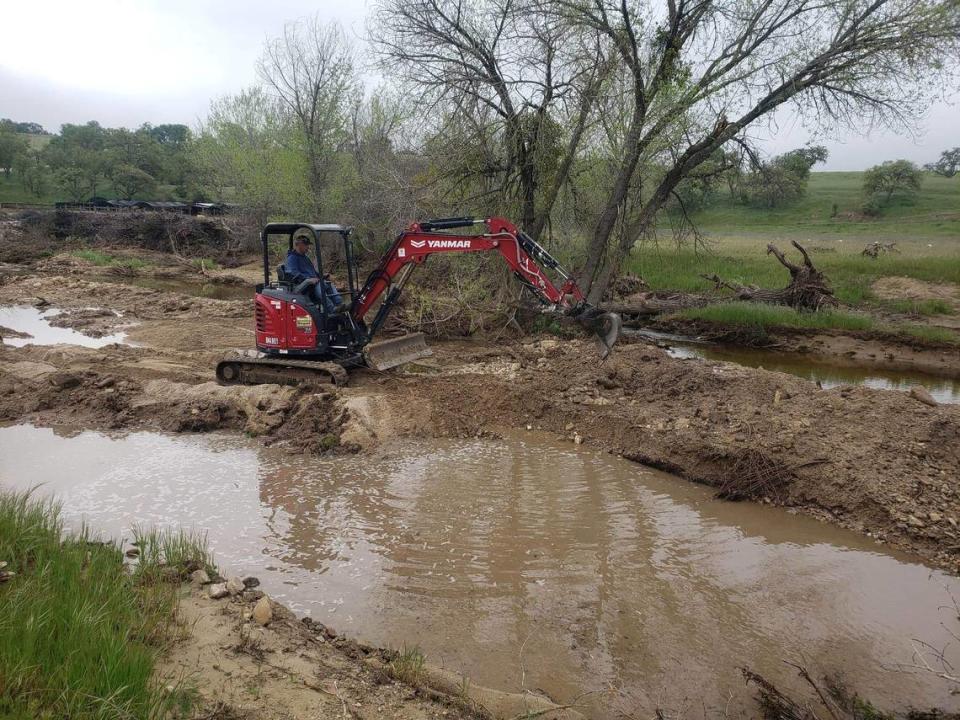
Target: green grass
(934, 212)
(103, 259)
(408, 666)
(79, 633)
(762, 317)
(928, 307)
(744, 260)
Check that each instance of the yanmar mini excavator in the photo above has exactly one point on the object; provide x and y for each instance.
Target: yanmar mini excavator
(298, 340)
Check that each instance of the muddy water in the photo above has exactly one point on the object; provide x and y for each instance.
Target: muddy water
(216, 291)
(524, 563)
(944, 390)
(36, 323)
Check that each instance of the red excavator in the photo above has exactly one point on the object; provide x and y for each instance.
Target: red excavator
(299, 339)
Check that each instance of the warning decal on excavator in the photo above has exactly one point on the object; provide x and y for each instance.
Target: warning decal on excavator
(304, 323)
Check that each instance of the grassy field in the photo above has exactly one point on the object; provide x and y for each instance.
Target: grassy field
(79, 633)
(934, 212)
(927, 234)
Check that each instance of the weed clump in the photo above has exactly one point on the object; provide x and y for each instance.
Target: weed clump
(81, 633)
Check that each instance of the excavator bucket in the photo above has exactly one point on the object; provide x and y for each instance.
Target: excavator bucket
(606, 328)
(386, 354)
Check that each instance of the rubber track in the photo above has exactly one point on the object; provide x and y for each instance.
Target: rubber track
(328, 372)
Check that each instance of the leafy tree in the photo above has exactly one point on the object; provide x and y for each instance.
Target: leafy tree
(783, 180)
(893, 176)
(310, 72)
(249, 151)
(25, 128)
(948, 165)
(703, 72)
(130, 181)
(78, 159)
(12, 145)
(33, 172)
(516, 88)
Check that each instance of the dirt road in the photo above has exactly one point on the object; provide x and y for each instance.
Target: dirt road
(880, 462)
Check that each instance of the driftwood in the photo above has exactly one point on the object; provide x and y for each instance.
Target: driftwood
(874, 249)
(807, 290)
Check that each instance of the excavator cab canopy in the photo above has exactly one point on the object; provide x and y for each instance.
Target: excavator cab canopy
(315, 232)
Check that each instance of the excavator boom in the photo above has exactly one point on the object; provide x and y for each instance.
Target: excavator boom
(521, 253)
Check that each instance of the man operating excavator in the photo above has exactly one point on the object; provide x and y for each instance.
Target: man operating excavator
(299, 267)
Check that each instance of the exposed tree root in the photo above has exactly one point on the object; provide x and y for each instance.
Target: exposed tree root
(808, 288)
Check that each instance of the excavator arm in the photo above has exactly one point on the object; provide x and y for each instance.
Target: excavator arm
(521, 253)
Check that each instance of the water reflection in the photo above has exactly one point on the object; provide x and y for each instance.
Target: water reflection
(944, 390)
(527, 564)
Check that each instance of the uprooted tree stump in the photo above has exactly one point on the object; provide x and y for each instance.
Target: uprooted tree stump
(808, 288)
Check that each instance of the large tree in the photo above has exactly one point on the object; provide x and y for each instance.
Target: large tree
(505, 90)
(310, 70)
(703, 71)
(948, 165)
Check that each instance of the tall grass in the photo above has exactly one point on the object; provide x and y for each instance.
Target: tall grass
(761, 315)
(78, 633)
(102, 259)
(850, 273)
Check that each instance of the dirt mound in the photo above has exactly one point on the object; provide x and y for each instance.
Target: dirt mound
(900, 288)
(42, 233)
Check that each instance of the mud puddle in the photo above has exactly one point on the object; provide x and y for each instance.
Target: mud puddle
(525, 563)
(34, 323)
(214, 291)
(944, 390)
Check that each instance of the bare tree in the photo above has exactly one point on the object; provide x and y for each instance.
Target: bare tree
(310, 69)
(511, 89)
(720, 66)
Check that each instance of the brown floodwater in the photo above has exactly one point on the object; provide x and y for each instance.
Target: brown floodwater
(944, 390)
(527, 563)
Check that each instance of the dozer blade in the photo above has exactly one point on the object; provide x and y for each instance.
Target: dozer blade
(386, 354)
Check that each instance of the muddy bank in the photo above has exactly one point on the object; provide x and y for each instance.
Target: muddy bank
(884, 351)
(251, 658)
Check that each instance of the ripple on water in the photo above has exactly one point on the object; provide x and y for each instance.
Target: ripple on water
(575, 571)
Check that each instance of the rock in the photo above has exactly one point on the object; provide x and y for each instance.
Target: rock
(234, 586)
(262, 612)
(252, 595)
(918, 392)
(251, 582)
(935, 517)
(64, 380)
(577, 439)
(217, 591)
(915, 521)
(199, 577)
(133, 552)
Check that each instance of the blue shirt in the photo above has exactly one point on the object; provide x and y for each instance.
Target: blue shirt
(299, 268)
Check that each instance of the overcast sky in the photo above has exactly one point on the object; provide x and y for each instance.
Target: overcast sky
(126, 62)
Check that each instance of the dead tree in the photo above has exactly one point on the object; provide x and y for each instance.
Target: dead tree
(808, 288)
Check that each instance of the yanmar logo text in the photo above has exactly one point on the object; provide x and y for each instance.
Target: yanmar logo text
(441, 244)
